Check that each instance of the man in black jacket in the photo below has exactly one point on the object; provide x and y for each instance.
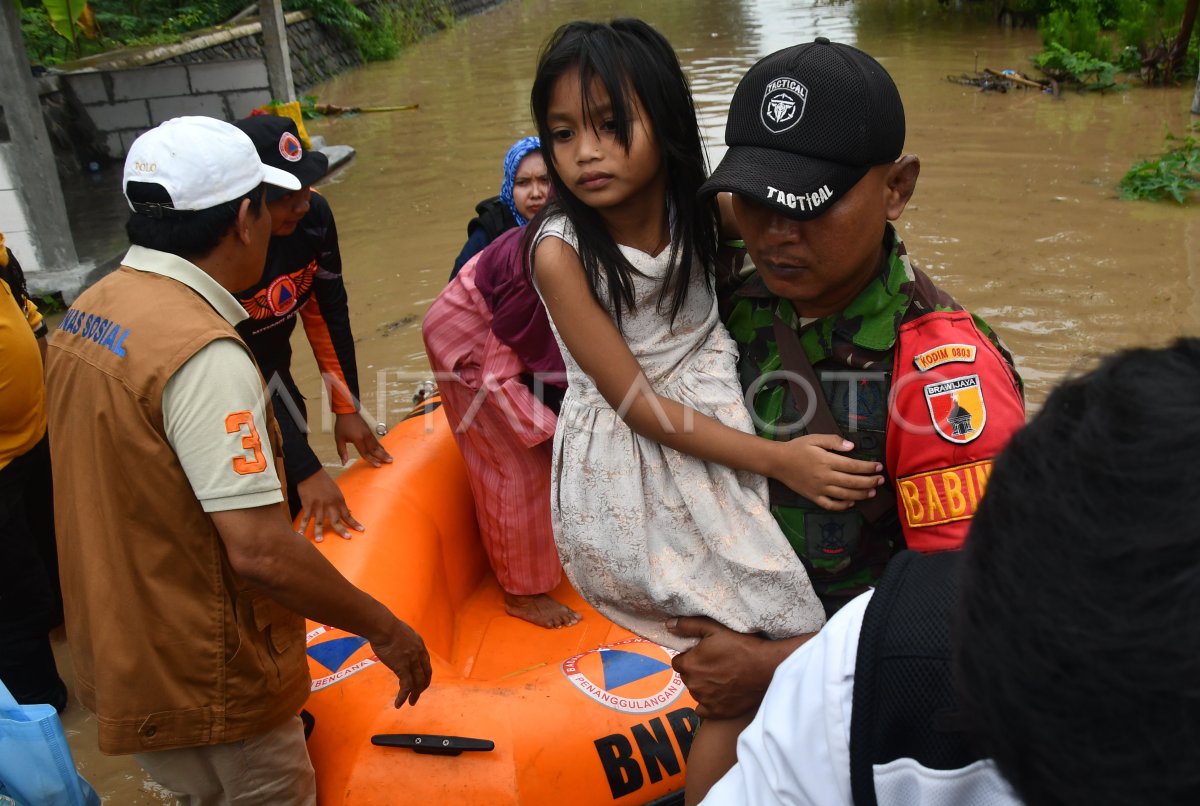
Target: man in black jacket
(303, 278)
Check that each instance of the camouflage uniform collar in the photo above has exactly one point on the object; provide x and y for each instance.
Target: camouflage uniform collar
(870, 321)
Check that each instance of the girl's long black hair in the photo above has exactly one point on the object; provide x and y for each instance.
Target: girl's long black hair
(630, 58)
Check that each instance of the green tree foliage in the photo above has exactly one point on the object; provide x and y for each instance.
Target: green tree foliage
(339, 15)
(70, 18)
(71, 21)
(1155, 39)
(43, 44)
(1077, 29)
(136, 21)
(143, 22)
(120, 22)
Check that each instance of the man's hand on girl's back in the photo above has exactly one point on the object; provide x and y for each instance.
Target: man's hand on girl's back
(727, 672)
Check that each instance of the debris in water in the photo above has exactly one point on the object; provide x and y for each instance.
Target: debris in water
(1003, 81)
(389, 328)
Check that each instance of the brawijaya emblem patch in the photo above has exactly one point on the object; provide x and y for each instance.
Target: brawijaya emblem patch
(957, 408)
(783, 104)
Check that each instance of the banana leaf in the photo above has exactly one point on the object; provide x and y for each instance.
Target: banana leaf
(69, 17)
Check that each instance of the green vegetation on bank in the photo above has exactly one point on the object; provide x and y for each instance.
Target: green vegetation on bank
(1089, 42)
(117, 23)
(1076, 67)
(1174, 175)
(50, 304)
(378, 39)
(56, 31)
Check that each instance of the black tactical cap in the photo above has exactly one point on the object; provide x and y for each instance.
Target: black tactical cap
(805, 124)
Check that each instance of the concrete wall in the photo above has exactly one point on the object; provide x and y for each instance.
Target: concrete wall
(33, 215)
(222, 74)
(121, 104)
(15, 223)
(317, 53)
(95, 108)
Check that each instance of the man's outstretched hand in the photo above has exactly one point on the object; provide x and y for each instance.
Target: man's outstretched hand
(353, 429)
(323, 506)
(404, 652)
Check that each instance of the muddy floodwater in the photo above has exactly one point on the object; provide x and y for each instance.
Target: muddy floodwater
(1016, 211)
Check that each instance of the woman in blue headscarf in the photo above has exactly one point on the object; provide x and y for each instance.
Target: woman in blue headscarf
(525, 189)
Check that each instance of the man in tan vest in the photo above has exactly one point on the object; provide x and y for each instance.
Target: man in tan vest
(185, 586)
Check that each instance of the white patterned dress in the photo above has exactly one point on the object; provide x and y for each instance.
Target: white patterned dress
(645, 532)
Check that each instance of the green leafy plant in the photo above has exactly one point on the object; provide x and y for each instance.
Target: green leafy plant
(308, 105)
(42, 43)
(72, 20)
(1077, 30)
(383, 39)
(338, 15)
(49, 304)
(393, 27)
(1175, 174)
(115, 23)
(1154, 39)
(401, 25)
(1077, 67)
(66, 16)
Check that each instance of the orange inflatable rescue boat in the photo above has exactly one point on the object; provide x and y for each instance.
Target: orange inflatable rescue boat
(516, 714)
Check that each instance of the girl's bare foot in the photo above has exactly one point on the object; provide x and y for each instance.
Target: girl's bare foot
(541, 610)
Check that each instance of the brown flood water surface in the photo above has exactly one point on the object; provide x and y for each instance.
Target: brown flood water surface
(1016, 210)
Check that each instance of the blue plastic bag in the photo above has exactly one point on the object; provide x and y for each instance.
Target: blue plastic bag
(36, 767)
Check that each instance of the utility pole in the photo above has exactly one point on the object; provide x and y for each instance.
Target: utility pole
(275, 47)
(33, 215)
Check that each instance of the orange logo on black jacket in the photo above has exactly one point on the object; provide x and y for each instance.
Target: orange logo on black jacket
(281, 296)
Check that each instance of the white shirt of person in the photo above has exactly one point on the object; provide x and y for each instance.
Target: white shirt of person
(797, 749)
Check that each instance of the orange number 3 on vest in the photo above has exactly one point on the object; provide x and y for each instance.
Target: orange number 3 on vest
(239, 422)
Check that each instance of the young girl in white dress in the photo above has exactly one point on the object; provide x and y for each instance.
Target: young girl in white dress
(659, 493)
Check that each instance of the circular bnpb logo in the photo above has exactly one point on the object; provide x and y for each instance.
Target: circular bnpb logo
(783, 104)
(633, 676)
(281, 295)
(290, 148)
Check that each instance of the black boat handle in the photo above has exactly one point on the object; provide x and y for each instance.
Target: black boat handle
(431, 744)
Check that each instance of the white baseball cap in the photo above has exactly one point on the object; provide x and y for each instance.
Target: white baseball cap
(200, 162)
